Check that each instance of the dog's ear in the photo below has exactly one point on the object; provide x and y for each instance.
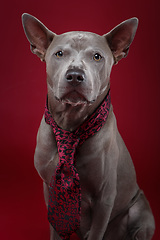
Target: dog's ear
(37, 34)
(120, 38)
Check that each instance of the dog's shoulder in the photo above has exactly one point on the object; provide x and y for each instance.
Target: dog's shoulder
(46, 148)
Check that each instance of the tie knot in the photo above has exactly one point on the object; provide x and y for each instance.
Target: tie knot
(67, 145)
(67, 138)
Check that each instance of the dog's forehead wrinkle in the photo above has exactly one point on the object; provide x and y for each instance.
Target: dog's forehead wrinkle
(81, 40)
(77, 42)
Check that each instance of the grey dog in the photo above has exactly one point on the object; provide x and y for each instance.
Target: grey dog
(112, 206)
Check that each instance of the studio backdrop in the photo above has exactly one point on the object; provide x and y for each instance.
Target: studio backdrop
(135, 88)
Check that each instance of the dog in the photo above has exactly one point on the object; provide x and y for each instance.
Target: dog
(78, 66)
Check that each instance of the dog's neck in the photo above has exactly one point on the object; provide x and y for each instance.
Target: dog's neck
(70, 117)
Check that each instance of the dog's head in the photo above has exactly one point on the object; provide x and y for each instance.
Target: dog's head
(78, 63)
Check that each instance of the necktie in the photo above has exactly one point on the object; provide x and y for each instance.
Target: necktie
(64, 206)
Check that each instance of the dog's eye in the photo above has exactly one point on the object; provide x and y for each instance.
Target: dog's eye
(59, 54)
(97, 57)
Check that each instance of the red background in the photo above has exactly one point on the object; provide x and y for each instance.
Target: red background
(135, 89)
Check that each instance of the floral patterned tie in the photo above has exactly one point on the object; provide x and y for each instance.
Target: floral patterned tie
(64, 207)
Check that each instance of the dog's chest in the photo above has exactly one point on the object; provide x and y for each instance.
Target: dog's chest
(90, 164)
(89, 161)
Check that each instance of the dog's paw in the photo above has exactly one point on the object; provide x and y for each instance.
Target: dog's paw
(86, 235)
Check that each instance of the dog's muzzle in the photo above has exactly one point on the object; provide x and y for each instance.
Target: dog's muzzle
(76, 90)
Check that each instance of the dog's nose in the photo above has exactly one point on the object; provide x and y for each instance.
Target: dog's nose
(75, 76)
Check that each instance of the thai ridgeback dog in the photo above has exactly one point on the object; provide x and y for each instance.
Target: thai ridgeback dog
(78, 66)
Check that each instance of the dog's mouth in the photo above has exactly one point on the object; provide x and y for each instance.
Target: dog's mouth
(74, 98)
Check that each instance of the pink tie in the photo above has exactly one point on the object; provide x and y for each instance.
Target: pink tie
(64, 208)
